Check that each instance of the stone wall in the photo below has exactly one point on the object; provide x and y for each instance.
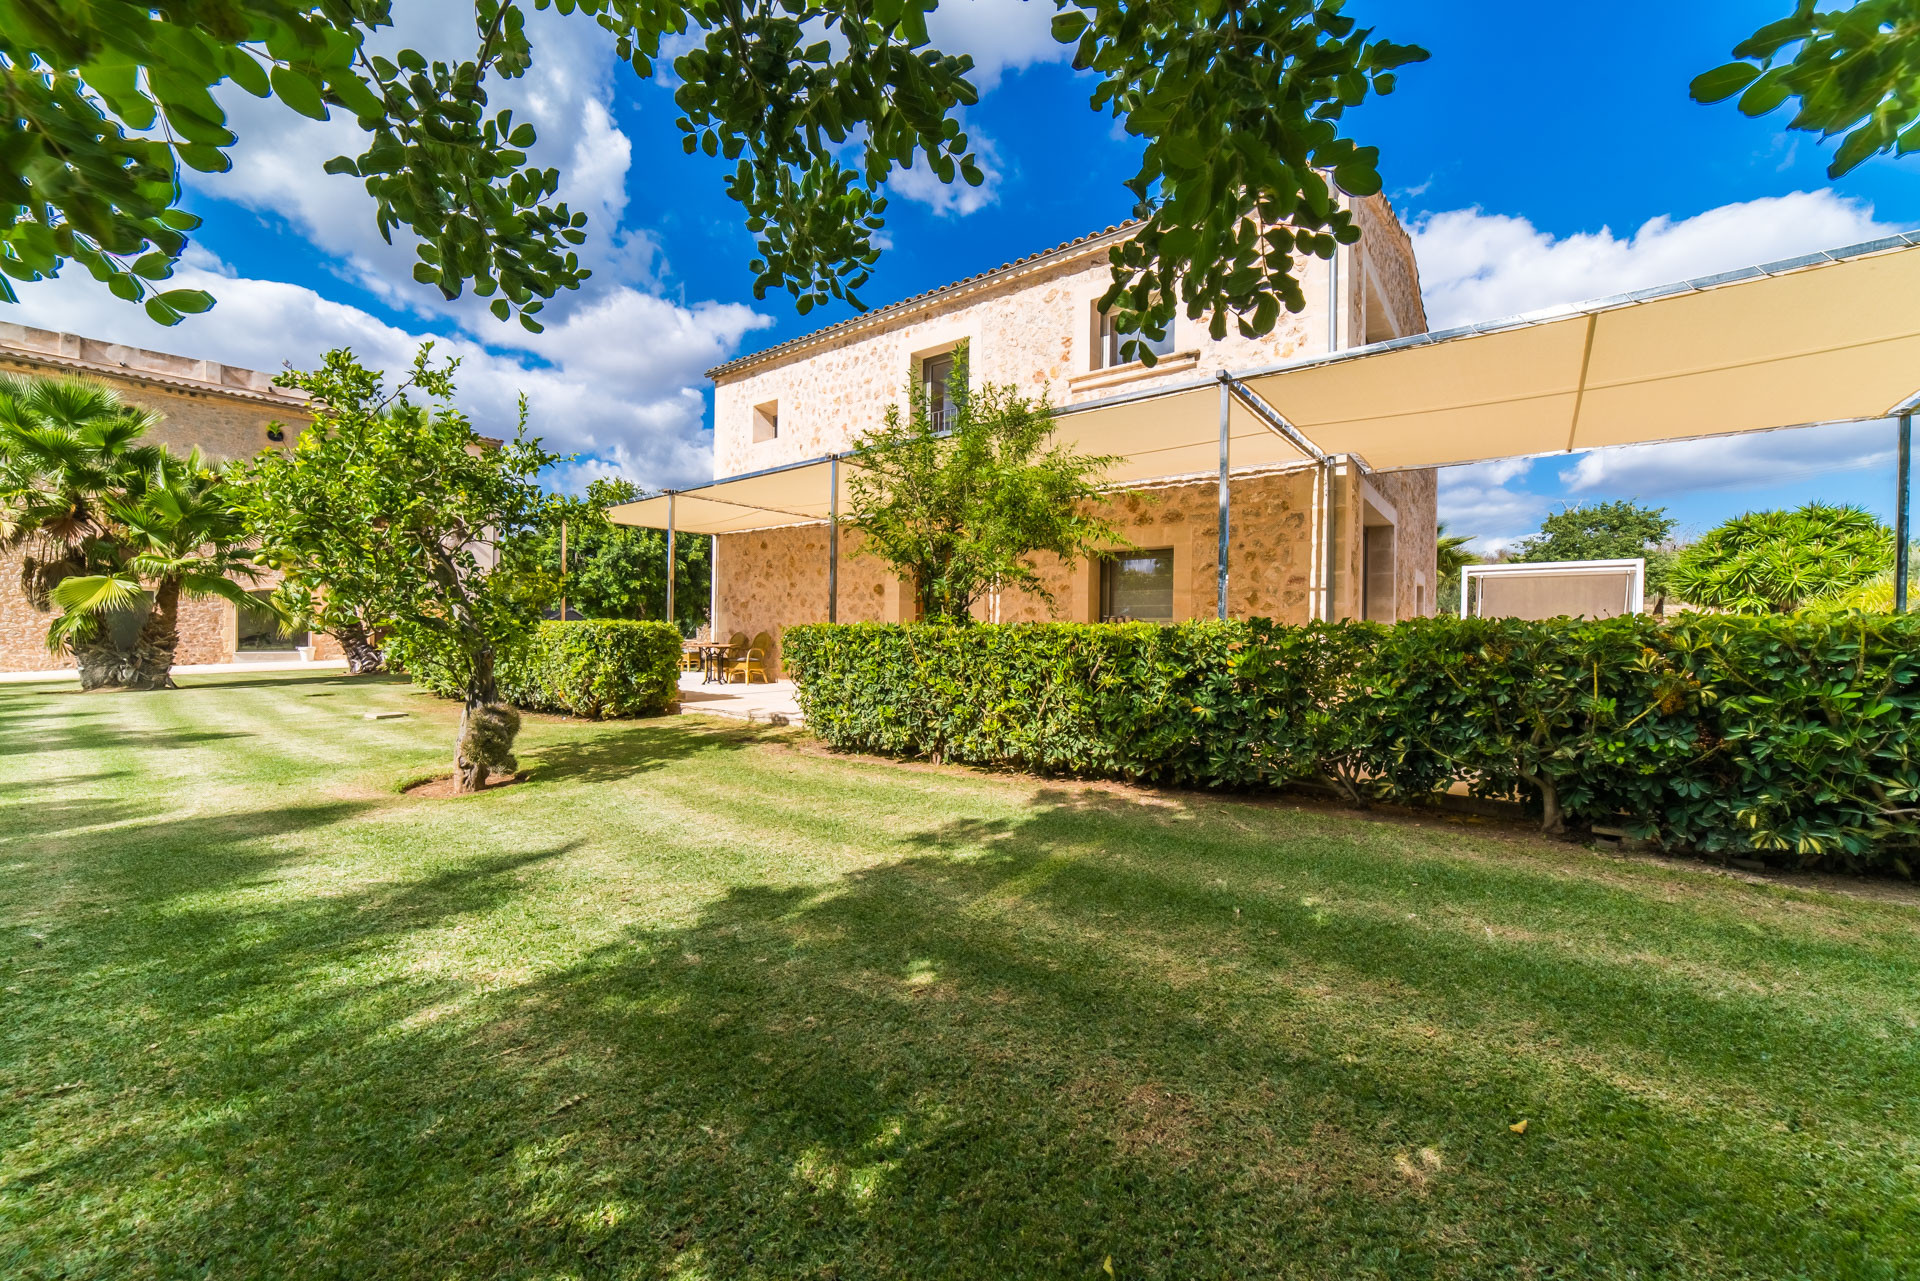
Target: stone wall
(1034, 327)
(223, 410)
(773, 579)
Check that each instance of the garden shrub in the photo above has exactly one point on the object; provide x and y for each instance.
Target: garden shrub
(593, 668)
(1778, 736)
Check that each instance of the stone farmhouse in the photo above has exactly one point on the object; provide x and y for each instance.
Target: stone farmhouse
(1035, 323)
(224, 410)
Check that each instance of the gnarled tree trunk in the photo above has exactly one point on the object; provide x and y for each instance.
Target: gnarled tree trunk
(470, 768)
(363, 657)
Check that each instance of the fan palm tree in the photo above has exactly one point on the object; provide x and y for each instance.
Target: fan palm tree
(68, 447)
(187, 538)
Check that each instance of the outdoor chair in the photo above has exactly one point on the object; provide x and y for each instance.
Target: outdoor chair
(745, 664)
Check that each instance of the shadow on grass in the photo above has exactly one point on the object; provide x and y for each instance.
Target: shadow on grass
(1025, 1046)
(613, 751)
(280, 680)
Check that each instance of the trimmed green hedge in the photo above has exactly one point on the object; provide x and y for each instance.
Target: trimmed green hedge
(595, 668)
(1786, 736)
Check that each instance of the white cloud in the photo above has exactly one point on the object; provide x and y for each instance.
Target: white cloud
(1733, 462)
(619, 380)
(1479, 499)
(1480, 266)
(955, 199)
(1002, 36)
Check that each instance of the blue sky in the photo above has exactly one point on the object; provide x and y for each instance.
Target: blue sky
(1545, 154)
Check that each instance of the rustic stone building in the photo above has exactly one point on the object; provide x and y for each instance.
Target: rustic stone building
(226, 411)
(1035, 324)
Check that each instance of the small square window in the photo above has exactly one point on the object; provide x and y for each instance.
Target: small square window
(766, 421)
(1137, 586)
(1106, 354)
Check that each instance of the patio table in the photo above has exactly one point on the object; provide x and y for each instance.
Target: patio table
(713, 658)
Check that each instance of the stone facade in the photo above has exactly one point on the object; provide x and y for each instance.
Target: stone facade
(1034, 324)
(772, 579)
(223, 410)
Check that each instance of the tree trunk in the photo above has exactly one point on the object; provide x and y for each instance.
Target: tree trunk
(101, 663)
(363, 659)
(482, 691)
(159, 640)
(1553, 821)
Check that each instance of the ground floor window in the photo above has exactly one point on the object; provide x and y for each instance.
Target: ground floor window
(258, 629)
(1137, 586)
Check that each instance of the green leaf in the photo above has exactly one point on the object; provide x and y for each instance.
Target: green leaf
(1068, 26)
(190, 301)
(298, 91)
(1722, 82)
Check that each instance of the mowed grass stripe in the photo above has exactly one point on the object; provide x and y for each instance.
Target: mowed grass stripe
(704, 1001)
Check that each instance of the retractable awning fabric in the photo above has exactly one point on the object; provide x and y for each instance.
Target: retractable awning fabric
(1830, 337)
(1826, 338)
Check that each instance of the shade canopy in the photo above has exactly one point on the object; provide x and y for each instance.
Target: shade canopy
(1830, 337)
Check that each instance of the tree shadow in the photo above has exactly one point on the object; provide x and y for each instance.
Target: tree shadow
(609, 753)
(192, 681)
(1024, 1046)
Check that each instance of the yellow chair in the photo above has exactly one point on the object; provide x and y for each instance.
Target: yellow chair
(745, 664)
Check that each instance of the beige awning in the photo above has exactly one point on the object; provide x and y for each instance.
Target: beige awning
(1830, 337)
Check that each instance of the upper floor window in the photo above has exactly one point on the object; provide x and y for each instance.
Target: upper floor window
(766, 421)
(936, 377)
(1107, 351)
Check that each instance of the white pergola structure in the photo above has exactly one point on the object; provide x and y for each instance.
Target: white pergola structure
(1827, 338)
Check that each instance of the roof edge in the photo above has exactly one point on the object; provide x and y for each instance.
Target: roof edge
(1077, 247)
(30, 345)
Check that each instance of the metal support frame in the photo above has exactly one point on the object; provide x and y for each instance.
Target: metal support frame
(1902, 528)
(670, 566)
(1226, 416)
(833, 541)
(1272, 419)
(1329, 508)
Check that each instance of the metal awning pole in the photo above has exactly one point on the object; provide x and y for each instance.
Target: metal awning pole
(833, 541)
(1226, 409)
(669, 555)
(1902, 530)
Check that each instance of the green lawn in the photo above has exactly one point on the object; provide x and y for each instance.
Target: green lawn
(705, 1001)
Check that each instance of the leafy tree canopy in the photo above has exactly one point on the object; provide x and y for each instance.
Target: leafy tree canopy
(815, 101)
(1774, 562)
(1617, 530)
(393, 511)
(1851, 71)
(619, 571)
(960, 512)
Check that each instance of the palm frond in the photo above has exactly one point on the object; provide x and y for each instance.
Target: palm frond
(98, 594)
